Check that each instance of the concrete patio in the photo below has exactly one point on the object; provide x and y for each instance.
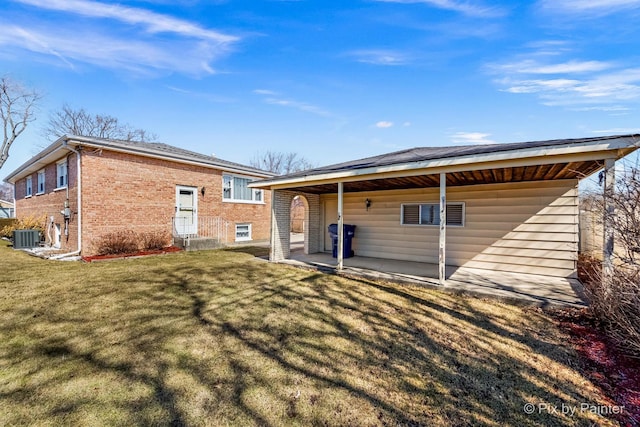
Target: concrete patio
(522, 288)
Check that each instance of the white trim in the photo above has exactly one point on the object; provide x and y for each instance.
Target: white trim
(436, 204)
(253, 190)
(442, 240)
(340, 248)
(591, 150)
(42, 173)
(246, 202)
(192, 228)
(66, 173)
(249, 229)
(49, 154)
(28, 186)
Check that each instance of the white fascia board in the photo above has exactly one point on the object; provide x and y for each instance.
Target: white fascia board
(584, 151)
(45, 157)
(162, 155)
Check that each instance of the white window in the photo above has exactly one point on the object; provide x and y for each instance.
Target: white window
(236, 188)
(29, 191)
(429, 214)
(243, 232)
(62, 179)
(41, 186)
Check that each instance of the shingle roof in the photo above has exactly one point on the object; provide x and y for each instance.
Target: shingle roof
(152, 149)
(169, 150)
(420, 154)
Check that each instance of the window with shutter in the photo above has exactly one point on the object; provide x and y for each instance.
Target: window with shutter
(455, 214)
(429, 214)
(411, 214)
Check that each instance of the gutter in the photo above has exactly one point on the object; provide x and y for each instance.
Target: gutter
(590, 150)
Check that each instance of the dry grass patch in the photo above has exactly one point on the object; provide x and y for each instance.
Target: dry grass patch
(222, 338)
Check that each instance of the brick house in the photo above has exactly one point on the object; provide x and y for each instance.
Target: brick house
(86, 187)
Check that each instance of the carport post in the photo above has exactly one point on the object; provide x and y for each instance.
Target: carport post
(442, 270)
(609, 212)
(340, 226)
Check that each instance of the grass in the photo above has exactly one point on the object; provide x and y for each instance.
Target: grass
(223, 338)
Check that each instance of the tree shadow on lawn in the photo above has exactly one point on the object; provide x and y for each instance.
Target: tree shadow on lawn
(261, 344)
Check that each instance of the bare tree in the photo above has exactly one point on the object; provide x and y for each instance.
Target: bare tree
(17, 105)
(6, 191)
(280, 163)
(615, 298)
(69, 121)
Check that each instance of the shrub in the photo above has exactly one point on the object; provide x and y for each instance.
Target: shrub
(129, 241)
(615, 302)
(118, 242)
(31, 222)
(154, 240)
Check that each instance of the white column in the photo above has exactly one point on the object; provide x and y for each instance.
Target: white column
(340, 227)
(442, 269)
(609, 212)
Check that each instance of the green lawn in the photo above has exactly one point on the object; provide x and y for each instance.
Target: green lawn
(224, 338)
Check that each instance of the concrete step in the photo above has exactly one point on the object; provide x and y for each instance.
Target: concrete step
(197, 243)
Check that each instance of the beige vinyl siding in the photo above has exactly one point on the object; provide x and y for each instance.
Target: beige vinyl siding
(518, 227)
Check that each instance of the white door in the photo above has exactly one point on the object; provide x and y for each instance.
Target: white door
(186, 211)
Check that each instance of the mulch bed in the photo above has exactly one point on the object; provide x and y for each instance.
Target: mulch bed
(617, 375)
(169, 249)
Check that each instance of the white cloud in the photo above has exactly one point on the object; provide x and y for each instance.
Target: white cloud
(384, 124)
(116, 37)
(609, 108)
(273, 98)
(614, 131)
(154, 22)
(406, 124)
(471, 138)
(575, 84)
(582, 7)
(469, 8)
(265, 92)
(106, 51)
(380, 57)
(530, 66)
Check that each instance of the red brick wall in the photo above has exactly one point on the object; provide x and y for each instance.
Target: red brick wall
(122, 191)
(51, 202)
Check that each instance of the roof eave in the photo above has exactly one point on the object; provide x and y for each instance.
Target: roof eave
(40, 160)
(616, 147)
(50, 154)
(114, 146)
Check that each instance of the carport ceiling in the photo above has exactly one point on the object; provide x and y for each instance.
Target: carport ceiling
(544, 172)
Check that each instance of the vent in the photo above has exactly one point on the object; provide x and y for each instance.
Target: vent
(26, 239)
(411, 214)
(455, 214)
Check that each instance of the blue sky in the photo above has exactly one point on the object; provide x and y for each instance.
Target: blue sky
(330, 80)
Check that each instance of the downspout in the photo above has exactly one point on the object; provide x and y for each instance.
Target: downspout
(65, 144)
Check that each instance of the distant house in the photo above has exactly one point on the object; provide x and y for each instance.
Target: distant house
(6, 209)
(87, 187)
(508, 207)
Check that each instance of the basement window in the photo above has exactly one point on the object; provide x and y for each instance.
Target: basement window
(243, 232)
(429, 214)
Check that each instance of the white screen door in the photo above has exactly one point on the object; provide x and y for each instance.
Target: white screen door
(186, 211)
